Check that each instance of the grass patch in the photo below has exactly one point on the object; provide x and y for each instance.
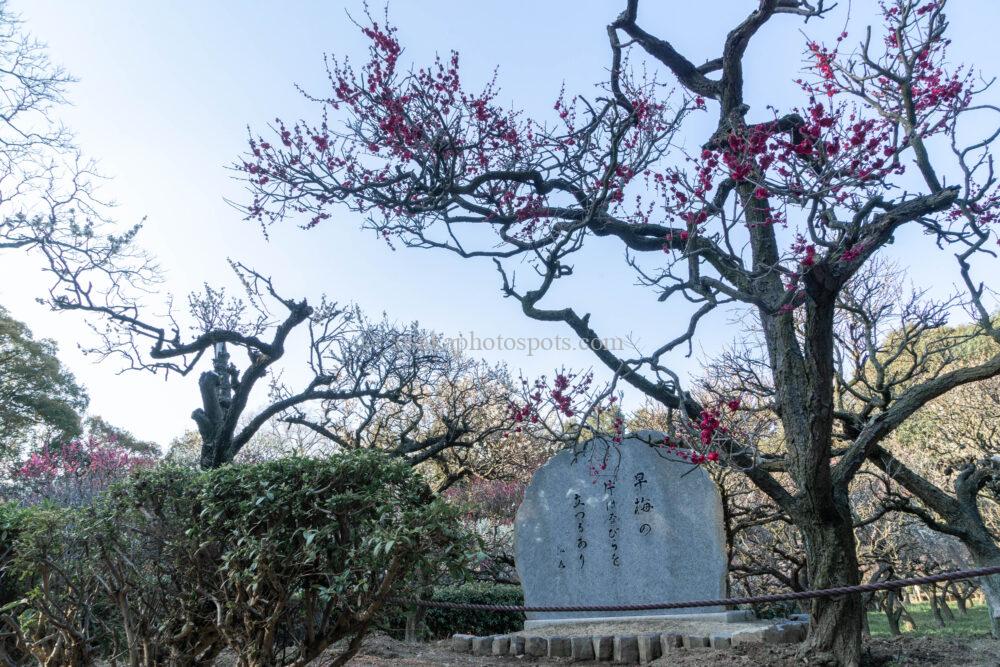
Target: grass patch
(975, 623)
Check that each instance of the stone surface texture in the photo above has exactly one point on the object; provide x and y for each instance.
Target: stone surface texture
(671, 641)
(537, 647)
(649, 647)
(559, 647)
(582, 648)
(695, 641)
(501, 645)
(482, 646)
(461, 643)
(755, 636)
(604, 648)
(626, 649)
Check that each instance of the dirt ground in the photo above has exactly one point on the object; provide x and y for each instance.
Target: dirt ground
(964, 652)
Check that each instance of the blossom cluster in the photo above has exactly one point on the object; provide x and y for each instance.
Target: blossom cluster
(701, 440)
(413, 139)
(564, 397)
(434, 163)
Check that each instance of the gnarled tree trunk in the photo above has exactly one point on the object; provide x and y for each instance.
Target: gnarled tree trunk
(832, 555)
(991, 589)
(986, 554)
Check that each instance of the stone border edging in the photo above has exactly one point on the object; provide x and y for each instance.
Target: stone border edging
(627, 649)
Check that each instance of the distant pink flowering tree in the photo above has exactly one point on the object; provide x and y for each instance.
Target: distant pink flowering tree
(75, 472)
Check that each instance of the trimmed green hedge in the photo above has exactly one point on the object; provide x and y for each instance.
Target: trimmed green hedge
(446, 622)
(273, 561)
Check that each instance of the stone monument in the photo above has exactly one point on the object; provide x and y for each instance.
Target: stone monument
(621, 523)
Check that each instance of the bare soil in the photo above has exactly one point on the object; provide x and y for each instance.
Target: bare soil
(895, 652)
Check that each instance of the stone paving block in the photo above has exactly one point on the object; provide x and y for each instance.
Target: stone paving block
(482, 646)
(649, 647)
(783, 633)
(461, 643)
(801, 630)
(774, 635)
(626, 649)
(720, 641)
(559, 647)
(537, 647)
(748, 637)
(671, 642)
(501, 645)
(695, 641)
(582, 648)
(516, 645)
(604, 648)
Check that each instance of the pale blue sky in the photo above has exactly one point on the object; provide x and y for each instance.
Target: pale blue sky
(167, 89)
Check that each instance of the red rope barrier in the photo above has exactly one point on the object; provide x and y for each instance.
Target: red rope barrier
(777, 597)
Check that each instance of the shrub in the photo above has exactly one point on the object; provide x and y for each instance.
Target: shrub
(147, 540)
(446, 622)
(274, 561)
(57, 614)
(327, 542)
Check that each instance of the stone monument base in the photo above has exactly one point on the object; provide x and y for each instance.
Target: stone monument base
(734, 616)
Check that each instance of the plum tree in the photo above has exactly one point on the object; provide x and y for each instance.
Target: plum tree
(774, 213)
